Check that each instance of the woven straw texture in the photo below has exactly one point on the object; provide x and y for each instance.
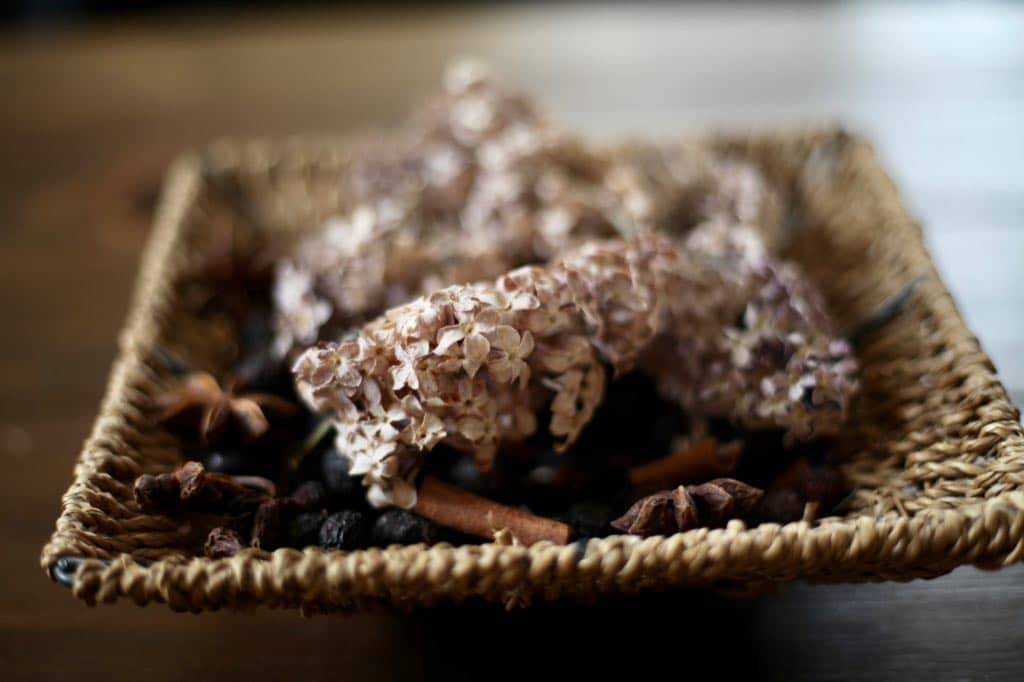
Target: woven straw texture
(934, 448)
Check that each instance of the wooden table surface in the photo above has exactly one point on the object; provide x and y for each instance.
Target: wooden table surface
(92, 116)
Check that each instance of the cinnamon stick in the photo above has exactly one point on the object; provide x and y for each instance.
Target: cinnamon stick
(699, 461)
(455, 508)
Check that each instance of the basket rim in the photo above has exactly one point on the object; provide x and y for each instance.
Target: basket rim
(929, 542)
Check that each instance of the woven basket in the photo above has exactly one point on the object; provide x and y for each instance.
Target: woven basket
(934, 448)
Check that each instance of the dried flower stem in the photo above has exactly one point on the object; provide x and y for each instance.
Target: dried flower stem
(705, 459)
(455, 508)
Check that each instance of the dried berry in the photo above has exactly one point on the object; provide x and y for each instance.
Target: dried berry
(311, 495)
(401, 527)
(590, 518)
(157, 494)
(263, 370)
(344, 530)
(467, 475)
(228, 462)
(340, 485)
(781, 506)
(269, 523)
(223, 542)
(304, 529)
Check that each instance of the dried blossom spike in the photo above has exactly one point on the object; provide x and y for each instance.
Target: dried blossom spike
(644, 300)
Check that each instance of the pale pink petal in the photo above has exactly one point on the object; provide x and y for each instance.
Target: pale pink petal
(447, 337)
(475, 349)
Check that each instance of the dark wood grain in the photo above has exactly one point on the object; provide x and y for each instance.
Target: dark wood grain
(92, 117)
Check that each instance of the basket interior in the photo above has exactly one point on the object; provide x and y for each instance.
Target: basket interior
(931, 429)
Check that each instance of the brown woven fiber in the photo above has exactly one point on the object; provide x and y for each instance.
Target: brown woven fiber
(934, 448)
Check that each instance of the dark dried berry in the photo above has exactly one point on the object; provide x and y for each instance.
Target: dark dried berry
(466, 474)
(780, 506)
(157, 494)
(401, 527)
(257, 330)
(608, 483)
(825, 485)
(591, 518)
(222, 542)
(344, 530)
(269, 523)
(228, 462)
(311, 495)
(262, 370)
(339, 484)
(304, 529)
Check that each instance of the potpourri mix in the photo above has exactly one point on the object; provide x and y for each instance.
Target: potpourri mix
(512, 334)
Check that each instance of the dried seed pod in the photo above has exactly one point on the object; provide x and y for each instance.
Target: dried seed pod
(664, 513)
(223, 542)
(723, 499)
(157, 494)
(192, 488)
(199, 408)
(709, 504)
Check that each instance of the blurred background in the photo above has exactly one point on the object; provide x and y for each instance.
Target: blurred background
(100, 96)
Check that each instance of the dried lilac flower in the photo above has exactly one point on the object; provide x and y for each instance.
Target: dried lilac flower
(473, 365)
(483, 183)
(757, 345)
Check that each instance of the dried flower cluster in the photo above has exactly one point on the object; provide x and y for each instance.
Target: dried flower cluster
(472, 365)
(481, 184)
(752, 340)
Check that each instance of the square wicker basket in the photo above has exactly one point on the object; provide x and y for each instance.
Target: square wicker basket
(934, 447)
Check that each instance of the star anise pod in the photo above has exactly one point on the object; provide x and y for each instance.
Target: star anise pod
(200, 407)
(236, 263)
(709, 504)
